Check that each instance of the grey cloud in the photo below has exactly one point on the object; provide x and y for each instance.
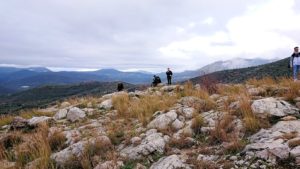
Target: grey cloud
(123, 34)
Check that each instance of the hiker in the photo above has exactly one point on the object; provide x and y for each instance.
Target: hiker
(156, 80)
(169, 76)
(120, 87)
(295, 62)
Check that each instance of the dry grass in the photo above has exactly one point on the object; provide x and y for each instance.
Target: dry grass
(197, 123)
(251, 122)
(100, 148)
(235, 146)
(143, 108)
(292, 92)
(203, 94)
(201, 164)
(57, 141)
(294, 143)
(232, 90)
(268, 81)
(224, 130)
(35, 148)
(288, 136)
(181, 143)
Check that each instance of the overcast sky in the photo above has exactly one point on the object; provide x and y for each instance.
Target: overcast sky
(145, 35)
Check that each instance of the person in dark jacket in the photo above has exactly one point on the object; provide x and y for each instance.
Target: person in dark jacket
(120, 87)
(295, 62)
(156, 81)
(169, 76)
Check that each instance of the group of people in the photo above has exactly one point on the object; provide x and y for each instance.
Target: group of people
(157, 80)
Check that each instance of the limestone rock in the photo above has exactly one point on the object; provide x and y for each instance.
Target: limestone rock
(170, 162)
(75, 114)
(153, 142)
(107, 104)
(62, 113)
(162, 121)
(273, 107)
(177, 124)
(37, 120)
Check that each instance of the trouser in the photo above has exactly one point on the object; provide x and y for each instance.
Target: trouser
(295, 71)
(169, 80)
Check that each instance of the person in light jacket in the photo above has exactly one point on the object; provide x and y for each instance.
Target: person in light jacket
(295, 62)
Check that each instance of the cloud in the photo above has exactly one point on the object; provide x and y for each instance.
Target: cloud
(260, 32)
(146, 35)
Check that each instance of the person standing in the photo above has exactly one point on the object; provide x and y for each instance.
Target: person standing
(295, 62)
(169, 76)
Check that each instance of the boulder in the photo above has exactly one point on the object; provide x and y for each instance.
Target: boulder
(37, 120)
(273, 107)
(106, 104)
(177, 124)
(153, 142)
(72, 152)
(170, 162)
(62, 113)
(188, 112)
(271, 144)
(162, 121)
(75, 114)
(295, 152)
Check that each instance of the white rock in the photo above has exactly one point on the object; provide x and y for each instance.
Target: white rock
(62, 113)
(188, 112)
(153, 142)
(274, 107)
(170, 162)
(75, 114)
(106, 104)
(68, 153)
(163, 121)
(37, 120)
(177, 124)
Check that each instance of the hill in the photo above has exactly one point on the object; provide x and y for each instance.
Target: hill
(41, 96)
(239, 126)
(275, 70)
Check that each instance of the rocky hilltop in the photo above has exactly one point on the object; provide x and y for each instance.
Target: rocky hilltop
(249, 125)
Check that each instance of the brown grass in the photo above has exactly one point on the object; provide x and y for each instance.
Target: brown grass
(268, 81)
(121, 104)
(197, 123)
(37, 147)
(144, 108)
(294, 143)
(251, 122)
(203, 94)
(57, 141)
(224, 130)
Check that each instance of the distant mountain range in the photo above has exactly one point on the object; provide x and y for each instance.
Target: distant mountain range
(275, 70)
(18, 79)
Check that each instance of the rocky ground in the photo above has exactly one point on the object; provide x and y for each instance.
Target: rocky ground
(252, 125)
